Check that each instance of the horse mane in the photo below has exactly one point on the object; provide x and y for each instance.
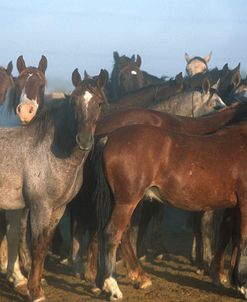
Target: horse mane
(239, 116)
(59, 115)
(13, 100)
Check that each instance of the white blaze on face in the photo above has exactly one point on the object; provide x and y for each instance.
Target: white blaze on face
(133, 72)
(24, 98)
(87, 96)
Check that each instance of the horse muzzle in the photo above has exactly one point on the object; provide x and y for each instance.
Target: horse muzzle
(27, 111)
(85, 144)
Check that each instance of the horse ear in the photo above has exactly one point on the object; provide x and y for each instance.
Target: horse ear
(86, 75)
(43, 64)
(132, 58)
(179, 80)
(187, 58)
(115, 56)
(236, 79)
(138, 61)
(225, 67)
(102, 78)
(206, 86)
(9, 68)
(76, 77)
(20, 64)
(216, 86)
(237, 68)
(208, 57)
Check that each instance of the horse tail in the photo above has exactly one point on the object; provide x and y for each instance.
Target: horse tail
(103, 202)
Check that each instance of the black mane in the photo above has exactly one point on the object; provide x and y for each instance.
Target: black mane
(60, 115)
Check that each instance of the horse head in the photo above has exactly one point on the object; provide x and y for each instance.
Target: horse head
(197, 64)
(6, 81)
(229, 83)
(30, 86)
(126, 74)
(87, 97)
(207, 100)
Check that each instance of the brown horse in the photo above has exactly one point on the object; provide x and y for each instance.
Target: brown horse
(80, 206)
(6, 81)
(186, 170)
(31, 88)
(126, 75)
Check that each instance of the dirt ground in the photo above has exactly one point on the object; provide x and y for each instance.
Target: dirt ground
(174, 280)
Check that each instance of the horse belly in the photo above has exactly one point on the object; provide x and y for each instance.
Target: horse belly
(199, 193)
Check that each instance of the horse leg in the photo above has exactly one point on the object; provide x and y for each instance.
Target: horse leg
(217, 265)
(3, 244)
(112, 236)
(43, 223)
(196, 250)
(24, 251)
(92, 254)
(241, 269)
(65, 232)
(78, 232)
(207, 234)
(14, 274)
(236, 229)
(134, 268)
(3, 255)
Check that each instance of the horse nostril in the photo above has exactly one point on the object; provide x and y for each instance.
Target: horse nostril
(217, 107)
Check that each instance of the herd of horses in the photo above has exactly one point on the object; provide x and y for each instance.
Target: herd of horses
(111, 153)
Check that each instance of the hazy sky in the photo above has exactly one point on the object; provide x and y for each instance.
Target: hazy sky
(83, 34)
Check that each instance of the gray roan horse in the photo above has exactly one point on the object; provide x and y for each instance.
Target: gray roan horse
(194, 103)
(196, 64)
(41, 164)
(21, 98)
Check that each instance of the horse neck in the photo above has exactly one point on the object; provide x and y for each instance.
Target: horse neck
(8, 117)
(138, 98)
(180, 104)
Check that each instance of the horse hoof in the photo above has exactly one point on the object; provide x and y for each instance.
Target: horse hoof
(159, 257)
(95, 290)
(223, 279)
(199, 271)
(111, 286)
(243, 290)
(42, 299)
(145, 283)
(21, 283)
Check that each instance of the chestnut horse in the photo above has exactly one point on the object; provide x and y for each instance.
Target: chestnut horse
(185, 170)
(82, 205)
(42, 165)
(26, 95)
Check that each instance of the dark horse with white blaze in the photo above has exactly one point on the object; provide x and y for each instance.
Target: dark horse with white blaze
(41, 166)
(185, 170)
